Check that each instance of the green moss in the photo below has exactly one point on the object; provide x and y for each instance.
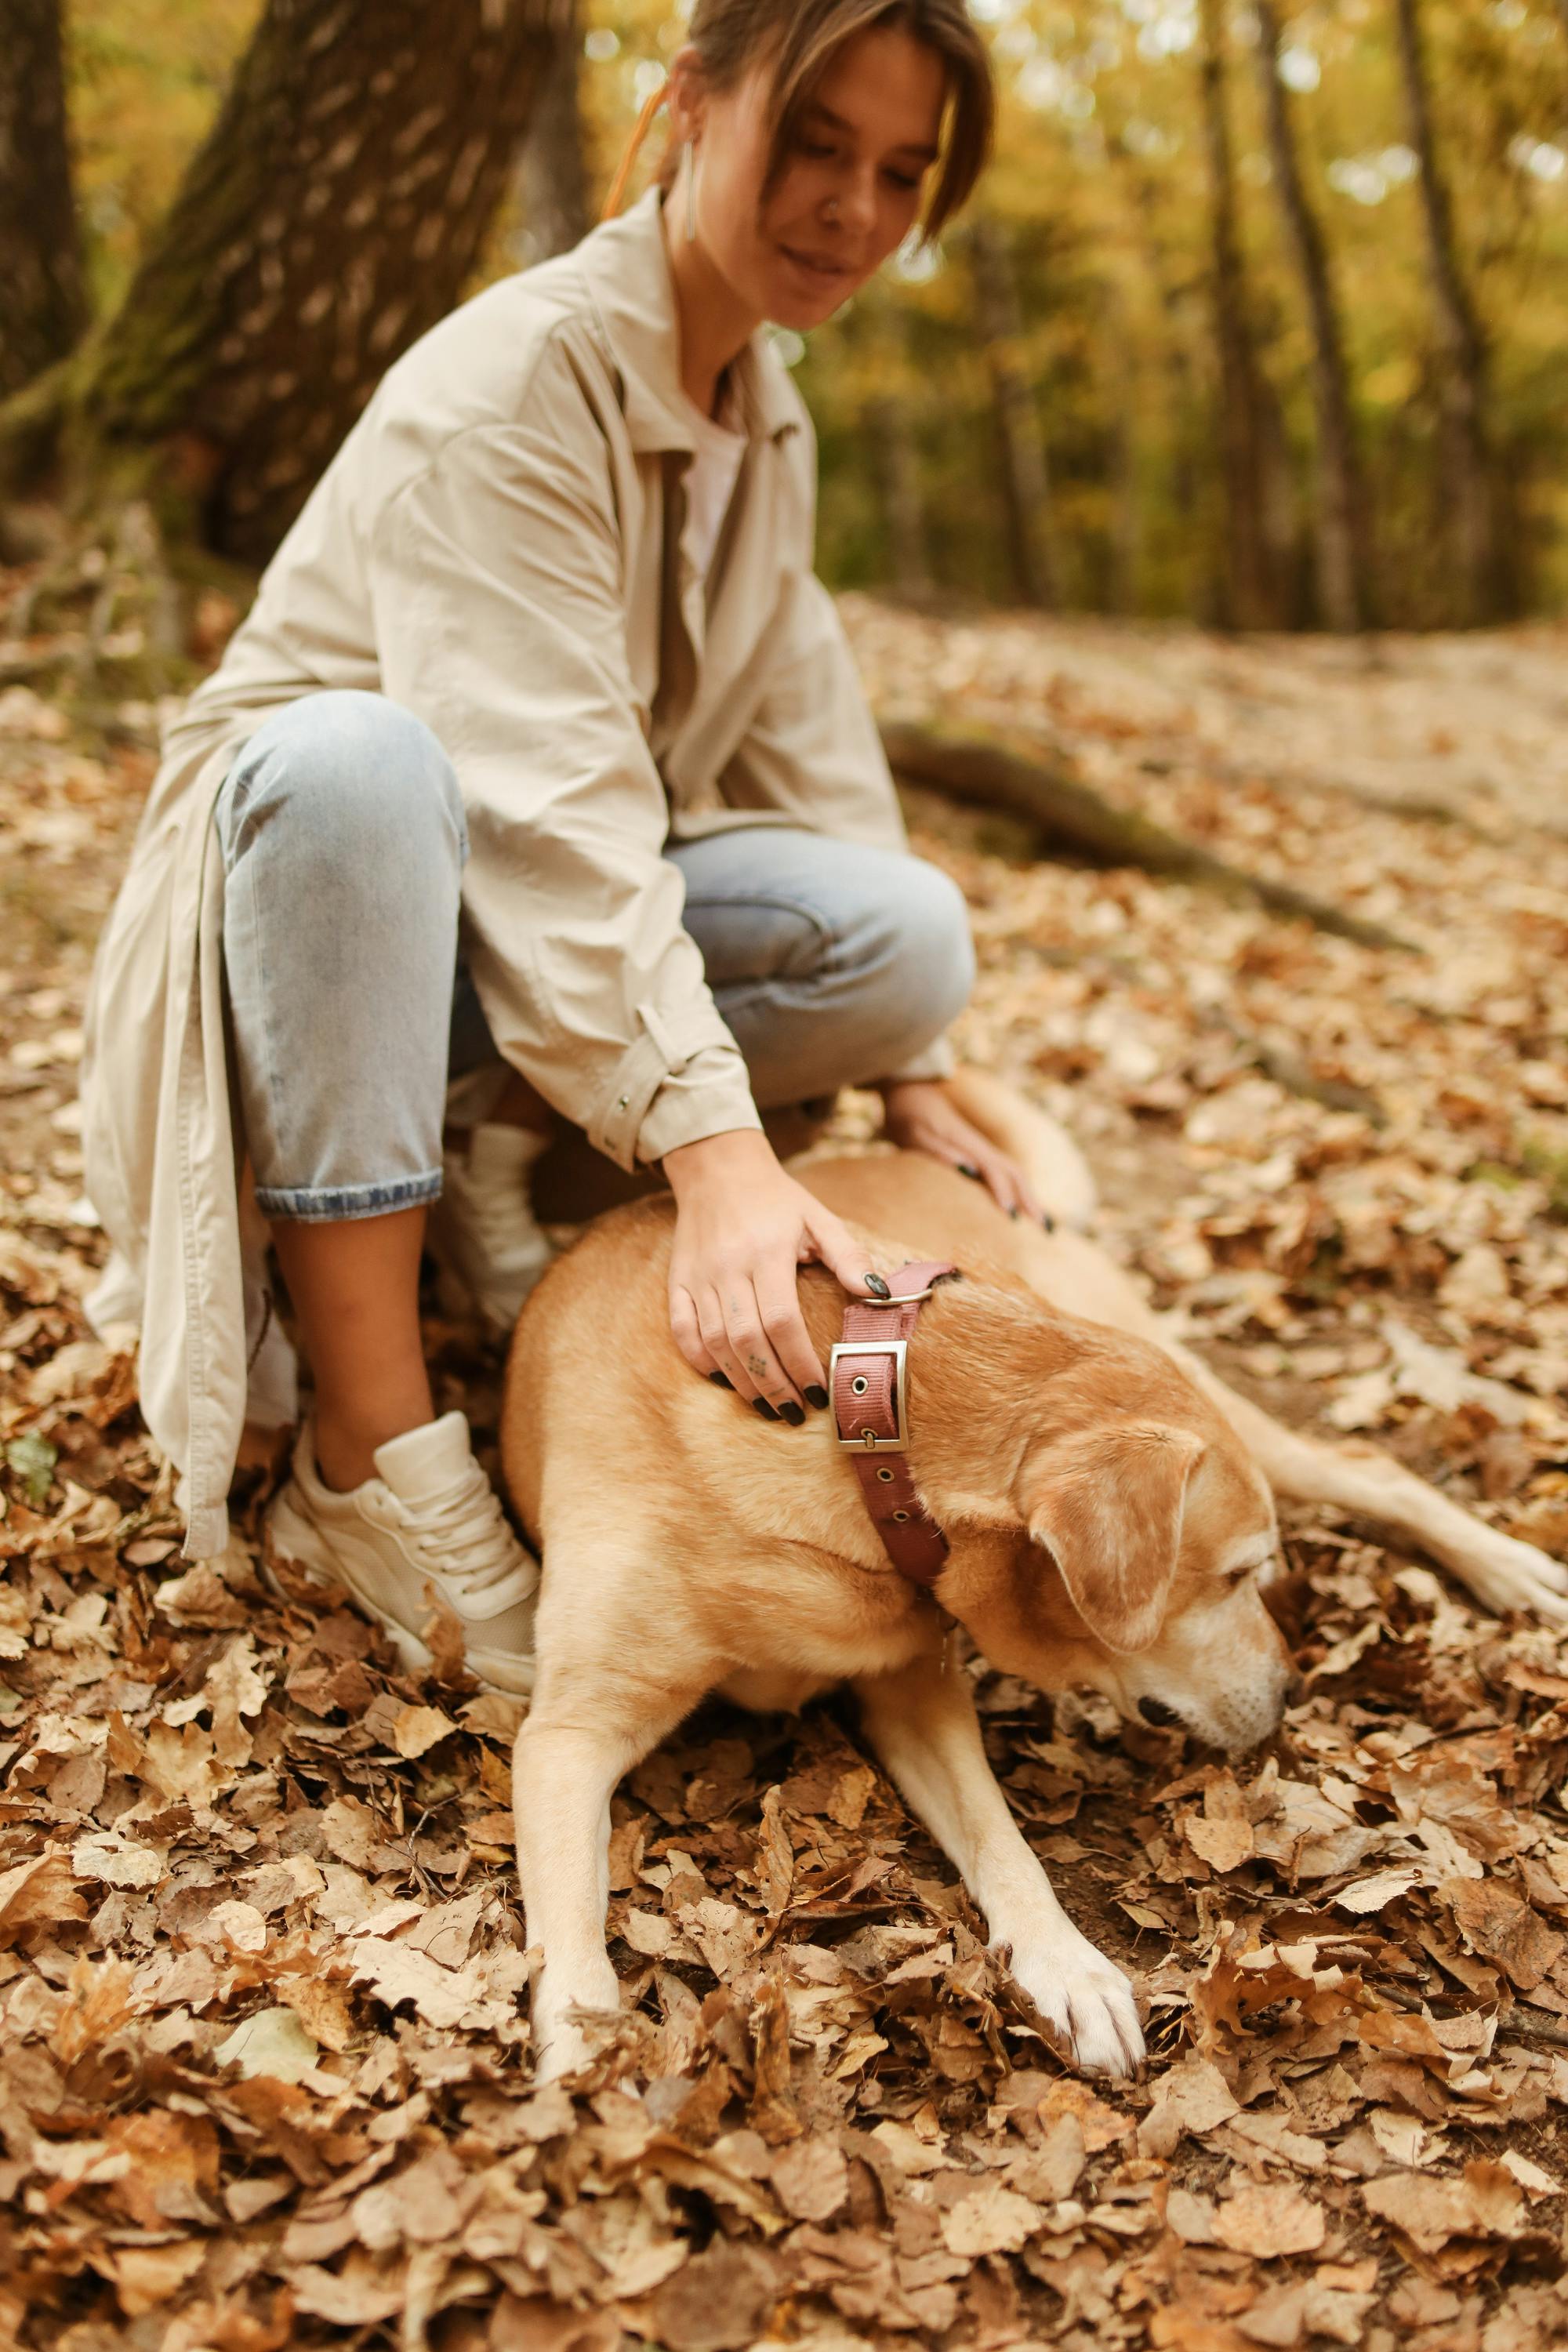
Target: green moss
(1548, 1163)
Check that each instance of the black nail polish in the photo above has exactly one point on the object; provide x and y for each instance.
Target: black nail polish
(1048, 1222)
(817, 1395)
(1013, 1213)
(761, 1404)
(966, 1167)
(792, 1412)
(877, 1287)
(721, 1381)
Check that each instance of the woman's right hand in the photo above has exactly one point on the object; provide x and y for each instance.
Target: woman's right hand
(742, 1228)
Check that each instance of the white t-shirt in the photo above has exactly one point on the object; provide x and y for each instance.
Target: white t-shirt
(711, 479)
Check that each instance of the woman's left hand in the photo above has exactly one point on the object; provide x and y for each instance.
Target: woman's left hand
(921, 1117)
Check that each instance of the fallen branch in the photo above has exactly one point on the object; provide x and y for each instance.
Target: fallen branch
(1291, 1072)
(1529, 2025)
(985, 771)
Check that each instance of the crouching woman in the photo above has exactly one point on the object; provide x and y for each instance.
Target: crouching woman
(538, 785)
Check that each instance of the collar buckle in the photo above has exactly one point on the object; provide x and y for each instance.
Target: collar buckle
(862, 1438)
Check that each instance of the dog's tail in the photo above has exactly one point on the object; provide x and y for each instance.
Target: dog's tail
(1055, 1168)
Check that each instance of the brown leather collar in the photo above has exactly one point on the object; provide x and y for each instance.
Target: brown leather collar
(869, 1380)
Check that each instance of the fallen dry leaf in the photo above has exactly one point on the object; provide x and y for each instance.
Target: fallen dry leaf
(417, 1729)
(990, 2220)
(1269, 2221)
(1486, 2201)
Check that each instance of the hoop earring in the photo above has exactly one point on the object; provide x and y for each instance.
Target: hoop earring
(690, 194)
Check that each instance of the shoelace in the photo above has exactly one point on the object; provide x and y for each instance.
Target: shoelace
(467, 1530)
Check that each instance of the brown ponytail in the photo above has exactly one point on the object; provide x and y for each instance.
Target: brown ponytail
(804, 36)
(629, 152)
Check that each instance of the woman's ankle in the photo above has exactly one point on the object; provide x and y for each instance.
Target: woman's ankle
(344, 1444)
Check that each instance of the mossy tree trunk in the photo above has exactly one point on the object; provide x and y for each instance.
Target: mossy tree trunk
(333, 213)
(43, 308)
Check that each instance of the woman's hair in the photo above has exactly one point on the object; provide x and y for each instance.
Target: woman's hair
(803, 37)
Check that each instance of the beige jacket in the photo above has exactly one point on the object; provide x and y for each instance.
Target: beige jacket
(490, 547)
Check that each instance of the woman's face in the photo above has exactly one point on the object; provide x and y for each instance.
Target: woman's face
(851, 189)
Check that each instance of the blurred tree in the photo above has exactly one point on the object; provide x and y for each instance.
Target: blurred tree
(1344, 536)
(875, 444)
(43, 307)
(1483, 591)
(875, 345)
(1025, 474)
(333, 212)
(1254, 592)
(552, 172)
(1174, 536)
(897, 455)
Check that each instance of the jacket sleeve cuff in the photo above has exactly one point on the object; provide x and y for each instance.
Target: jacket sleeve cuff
(710, 1097)
(671, 1042)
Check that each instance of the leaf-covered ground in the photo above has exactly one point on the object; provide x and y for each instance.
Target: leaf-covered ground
(264, 2069)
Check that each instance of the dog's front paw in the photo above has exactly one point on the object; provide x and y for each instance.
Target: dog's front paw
(568, 2030)
(1506, 1573)
(1085, 1997)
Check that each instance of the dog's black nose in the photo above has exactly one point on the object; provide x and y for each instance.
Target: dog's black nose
(1155, 1711)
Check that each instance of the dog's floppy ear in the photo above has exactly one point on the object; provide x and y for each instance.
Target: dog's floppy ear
(1107, 1505)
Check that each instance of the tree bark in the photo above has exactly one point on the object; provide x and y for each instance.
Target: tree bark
(333, 216)
(1250, 589)
(552, 170)
(1026, 474)
(1472, 497)
(1343, 538)
(43, 306)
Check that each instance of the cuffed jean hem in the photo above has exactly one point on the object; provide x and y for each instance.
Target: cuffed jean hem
(320, 1204)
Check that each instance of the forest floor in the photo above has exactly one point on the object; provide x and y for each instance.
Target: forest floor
(263, 2074)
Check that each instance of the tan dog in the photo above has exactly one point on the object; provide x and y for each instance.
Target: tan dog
(1106, 1501)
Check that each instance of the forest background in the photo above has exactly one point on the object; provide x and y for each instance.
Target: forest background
(1257, 320)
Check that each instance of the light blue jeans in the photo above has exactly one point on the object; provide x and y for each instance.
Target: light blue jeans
(341, 831)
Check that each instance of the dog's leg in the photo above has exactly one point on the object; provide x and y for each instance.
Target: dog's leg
(1367, 1483)
(922, 1725)
(1359, 1480)
(566, 1766)
(1042, 1147)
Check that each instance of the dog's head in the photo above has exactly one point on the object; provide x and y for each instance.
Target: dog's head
(1148, 1541)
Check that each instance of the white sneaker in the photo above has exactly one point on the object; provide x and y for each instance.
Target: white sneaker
(482, 1231)
(431, 1517)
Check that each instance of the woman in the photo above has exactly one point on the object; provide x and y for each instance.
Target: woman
(539, 690)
